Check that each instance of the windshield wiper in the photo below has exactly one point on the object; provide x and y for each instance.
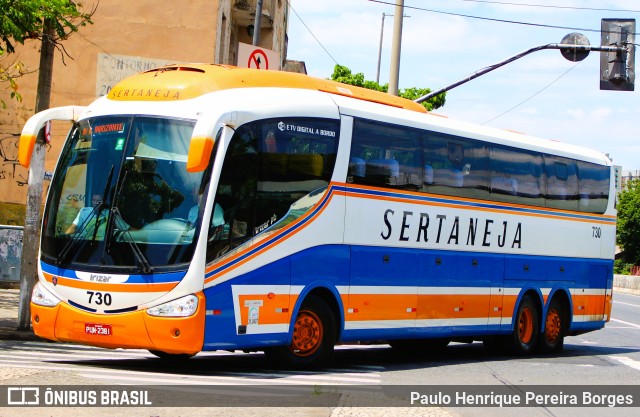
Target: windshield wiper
(77, 235)
(79, 232)
(142, 259)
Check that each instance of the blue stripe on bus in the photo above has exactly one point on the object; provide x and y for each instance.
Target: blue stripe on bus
(341, 266)
(132, 279)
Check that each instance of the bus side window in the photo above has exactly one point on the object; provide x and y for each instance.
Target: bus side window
(446, 160)
(516, 176)
(593, 187)
(562, 183)
(385, 155)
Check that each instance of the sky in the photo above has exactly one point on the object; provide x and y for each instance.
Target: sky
(541, 94)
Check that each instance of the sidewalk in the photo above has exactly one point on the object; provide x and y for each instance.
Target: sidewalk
(9, 300)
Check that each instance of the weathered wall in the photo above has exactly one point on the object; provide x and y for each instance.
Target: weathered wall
(10, 253)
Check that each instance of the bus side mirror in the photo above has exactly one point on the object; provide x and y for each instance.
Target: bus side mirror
(199, 153)
(201, 144)
(36, 122)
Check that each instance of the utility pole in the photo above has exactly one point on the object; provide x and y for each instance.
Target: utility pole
(31, 236)
(380, 48)
(394, 73)
(257, 22)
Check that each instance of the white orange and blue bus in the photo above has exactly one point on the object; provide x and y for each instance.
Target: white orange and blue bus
(204, 207)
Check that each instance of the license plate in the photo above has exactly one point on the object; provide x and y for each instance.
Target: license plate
(97, 329)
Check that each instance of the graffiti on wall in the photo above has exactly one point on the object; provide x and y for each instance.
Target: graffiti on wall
(9, 170)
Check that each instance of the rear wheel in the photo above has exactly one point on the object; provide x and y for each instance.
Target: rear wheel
(313, 338)
(552, 341)
(526, 331)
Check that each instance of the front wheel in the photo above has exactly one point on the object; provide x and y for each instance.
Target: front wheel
(313, 338)
(526, 331)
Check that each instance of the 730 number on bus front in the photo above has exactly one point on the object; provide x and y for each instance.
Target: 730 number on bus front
(99, 298)
(596, 232)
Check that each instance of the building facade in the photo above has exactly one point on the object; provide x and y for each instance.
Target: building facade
(125, 38)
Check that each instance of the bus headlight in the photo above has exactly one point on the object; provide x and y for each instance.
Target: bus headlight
(182, 307)
(43, 297)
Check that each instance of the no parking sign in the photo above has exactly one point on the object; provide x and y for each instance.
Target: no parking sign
(251, 56)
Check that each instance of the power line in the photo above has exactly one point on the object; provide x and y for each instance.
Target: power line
(533, 95)
(546, 6)
(515, 22)
(314, 36)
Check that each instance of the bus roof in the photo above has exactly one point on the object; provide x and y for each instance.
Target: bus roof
(182, 82)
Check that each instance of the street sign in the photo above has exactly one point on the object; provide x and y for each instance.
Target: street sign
(251, 56)
(258, 60)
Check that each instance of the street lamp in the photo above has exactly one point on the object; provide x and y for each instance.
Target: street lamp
(380, 47)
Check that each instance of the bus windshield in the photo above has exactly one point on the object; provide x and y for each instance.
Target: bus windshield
(122, 199)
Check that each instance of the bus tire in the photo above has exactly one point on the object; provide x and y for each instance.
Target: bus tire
(555, 327)
(527, 328)
(171, 356)
(313, 339)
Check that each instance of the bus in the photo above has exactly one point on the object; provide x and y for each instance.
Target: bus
(207, 207)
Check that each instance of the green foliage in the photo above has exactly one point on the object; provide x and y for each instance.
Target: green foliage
(344, 75)
(25, 19)
(621, 267)
(628, 224)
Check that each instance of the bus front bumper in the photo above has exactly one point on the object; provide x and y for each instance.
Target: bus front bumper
(133, 330)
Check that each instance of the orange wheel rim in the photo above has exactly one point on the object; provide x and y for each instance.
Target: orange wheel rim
(525, 326)
(553, 325)
(307, 334)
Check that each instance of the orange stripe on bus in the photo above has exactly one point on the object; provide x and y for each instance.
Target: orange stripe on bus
(483, 209)
(463, 199)
(589, 305)
(363, 307)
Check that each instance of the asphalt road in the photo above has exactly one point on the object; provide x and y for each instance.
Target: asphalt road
(607, 357)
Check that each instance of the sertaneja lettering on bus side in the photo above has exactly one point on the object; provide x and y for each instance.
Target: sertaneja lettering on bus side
(450, 231)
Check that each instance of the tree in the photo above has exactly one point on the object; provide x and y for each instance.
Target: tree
(25, 19)
(628, 225)
(50, 21)
(344, 75)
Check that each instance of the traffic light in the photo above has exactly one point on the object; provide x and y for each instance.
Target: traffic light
(617, 69)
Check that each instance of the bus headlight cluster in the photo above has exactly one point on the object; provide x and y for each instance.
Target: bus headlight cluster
(182, 307)
(43, 297)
